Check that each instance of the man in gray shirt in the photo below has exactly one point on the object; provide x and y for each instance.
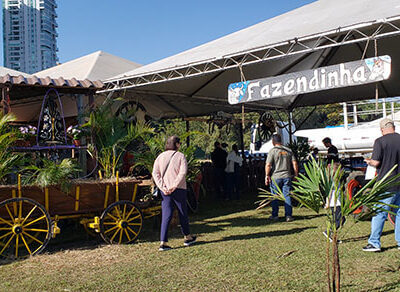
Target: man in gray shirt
(385, 155)
(278, 173)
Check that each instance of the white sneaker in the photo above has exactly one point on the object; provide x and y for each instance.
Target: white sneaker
(190, 241)
(370, 247)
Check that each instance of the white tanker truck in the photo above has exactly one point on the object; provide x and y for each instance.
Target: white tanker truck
(351, 140)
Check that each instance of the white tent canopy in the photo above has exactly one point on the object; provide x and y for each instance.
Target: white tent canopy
(4, 71)
(95, 66)
(322, 33)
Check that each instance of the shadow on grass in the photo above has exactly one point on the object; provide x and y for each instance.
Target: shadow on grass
(365, 237)
(253, 235)
(387, 287)
(389, 248)
(262, 234)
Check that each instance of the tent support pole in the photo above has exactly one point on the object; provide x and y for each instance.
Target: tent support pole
(346, 121)
(290, 120)
(187, 130)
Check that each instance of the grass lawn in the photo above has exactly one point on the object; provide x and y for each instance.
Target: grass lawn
(238, 249)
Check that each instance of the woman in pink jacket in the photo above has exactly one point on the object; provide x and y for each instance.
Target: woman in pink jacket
(169, 174)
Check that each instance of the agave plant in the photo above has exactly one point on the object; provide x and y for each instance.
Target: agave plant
(9, 161)
(313, 189)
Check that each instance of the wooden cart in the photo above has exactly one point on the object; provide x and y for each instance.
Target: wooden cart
(29, 214)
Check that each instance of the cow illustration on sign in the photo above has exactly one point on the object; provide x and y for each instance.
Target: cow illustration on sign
(236, 91)
(380, 68)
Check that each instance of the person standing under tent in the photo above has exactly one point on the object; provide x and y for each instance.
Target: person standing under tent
(169, 174)
(385, 155)
(278, 174)
(333, 153)
(218, 158)
(233, 164)
(333, 203)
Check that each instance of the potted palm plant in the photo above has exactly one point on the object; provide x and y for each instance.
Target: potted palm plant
(9, 161)
(111, 135)
(47, 173)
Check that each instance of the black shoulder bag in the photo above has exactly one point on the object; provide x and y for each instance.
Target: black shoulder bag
(156, 191)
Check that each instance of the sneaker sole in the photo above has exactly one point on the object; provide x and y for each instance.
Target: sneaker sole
(164, 249)
(189, 243)
(372, 250)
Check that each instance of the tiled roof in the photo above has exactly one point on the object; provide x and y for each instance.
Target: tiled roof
(47, 81)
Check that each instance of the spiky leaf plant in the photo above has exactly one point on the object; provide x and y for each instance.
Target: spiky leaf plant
(48, 173)
(9, 161)
(156, 144)
(111, 135)
(313, 190)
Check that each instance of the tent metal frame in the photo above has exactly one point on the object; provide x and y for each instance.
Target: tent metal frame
(354, 34)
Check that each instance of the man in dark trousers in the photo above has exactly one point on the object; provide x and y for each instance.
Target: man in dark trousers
(333, 153)
(218, 158)
(385, 155)
(278, 173)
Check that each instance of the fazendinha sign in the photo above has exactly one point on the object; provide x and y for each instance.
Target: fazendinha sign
(335, 76)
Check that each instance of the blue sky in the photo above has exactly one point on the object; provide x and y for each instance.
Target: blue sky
(146, 31)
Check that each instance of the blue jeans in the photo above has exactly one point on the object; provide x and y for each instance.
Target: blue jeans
(379, 219)
(285, 184)
(178, 199)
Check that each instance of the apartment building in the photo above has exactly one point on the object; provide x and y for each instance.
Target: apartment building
(29, 34)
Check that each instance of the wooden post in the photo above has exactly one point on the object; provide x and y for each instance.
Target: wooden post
(242, 142)
(81, 121)
(5, 99)
(241, 135)
(91, 101)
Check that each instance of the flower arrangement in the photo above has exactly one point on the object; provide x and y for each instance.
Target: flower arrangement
(28, 130)
(74, 132)
(26, 136)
